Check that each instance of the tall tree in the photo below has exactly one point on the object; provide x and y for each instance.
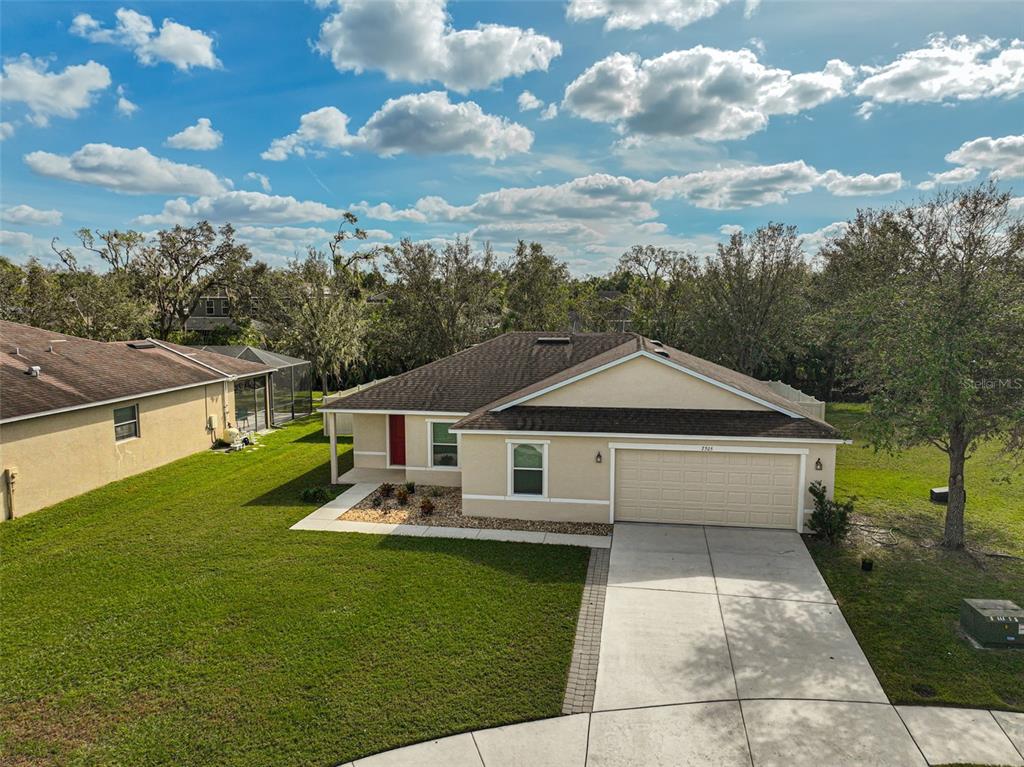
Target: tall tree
(750, 300)
(659, 291)
(319, 310)
(440, 300)
(537, 290)
(935, 316)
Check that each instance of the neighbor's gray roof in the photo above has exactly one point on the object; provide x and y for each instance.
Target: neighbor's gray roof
(669, 421)
(256, 354)
(513, 365)
(78, 372)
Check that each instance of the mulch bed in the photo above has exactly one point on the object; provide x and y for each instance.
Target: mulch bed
(448, 513)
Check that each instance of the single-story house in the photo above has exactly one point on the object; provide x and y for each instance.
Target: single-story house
(290, 394)
(76, 414)
(594, 427)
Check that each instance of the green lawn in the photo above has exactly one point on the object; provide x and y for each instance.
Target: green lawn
(905, 612)
(173, 618)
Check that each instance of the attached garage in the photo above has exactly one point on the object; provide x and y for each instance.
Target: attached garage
(707, 485)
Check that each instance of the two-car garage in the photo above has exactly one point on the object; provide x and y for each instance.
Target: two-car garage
(713, 485)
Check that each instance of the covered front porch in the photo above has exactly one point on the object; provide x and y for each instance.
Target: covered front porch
(362, 474)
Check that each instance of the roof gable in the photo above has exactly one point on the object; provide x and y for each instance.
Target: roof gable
(642, 381)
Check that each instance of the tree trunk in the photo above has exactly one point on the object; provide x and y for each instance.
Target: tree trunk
(953, 537)
(323, 383)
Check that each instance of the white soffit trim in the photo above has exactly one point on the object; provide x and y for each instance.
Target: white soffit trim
(357, 411)
(625, 435)
(531, 499)
(663, 361)
(710, 448)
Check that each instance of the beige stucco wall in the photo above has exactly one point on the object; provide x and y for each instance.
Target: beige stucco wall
(642, 382)
(62, 455)
(369, 440)
(574, 474)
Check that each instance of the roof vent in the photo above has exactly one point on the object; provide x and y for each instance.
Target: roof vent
(141, 344)
(655, 342)
(663, 353)
(34, 371)
(554, 340)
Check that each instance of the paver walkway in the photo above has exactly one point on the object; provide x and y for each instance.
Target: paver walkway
(724, 646)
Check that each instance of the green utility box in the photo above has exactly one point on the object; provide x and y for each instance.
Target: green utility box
(993, 621)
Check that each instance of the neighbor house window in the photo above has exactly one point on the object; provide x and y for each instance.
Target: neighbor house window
(126, 422)
(528, 467)
(444, 446)
(211, 307)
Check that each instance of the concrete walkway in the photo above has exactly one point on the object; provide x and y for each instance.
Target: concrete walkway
(724, 646)
(326, 519)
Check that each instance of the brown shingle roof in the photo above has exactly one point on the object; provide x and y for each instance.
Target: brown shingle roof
(617, 420)
(484, 373)
(79, 372)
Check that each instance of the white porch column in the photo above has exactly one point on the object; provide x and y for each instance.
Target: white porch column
(332, 431)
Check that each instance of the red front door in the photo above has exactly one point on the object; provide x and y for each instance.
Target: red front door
(396, 440)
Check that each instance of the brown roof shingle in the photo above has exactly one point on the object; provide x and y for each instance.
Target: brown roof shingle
(668, 421)
(78, 372)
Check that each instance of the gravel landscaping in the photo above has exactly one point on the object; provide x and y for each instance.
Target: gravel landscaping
(387, 508)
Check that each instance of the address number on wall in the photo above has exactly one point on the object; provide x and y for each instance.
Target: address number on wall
(706, 448)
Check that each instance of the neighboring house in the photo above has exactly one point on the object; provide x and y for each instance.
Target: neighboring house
(595, 427)
(290, 393)
(76, 414)
(212, 313)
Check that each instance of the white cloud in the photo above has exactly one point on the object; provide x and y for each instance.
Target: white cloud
(124, 106)
(280, 243)
(634, 14)
(419, 123)
(131, 171)
(26, 215)
(414, 40)
(175, 43)
(813, 241)
(51, 94)
(1016, 203)
(528, 101)
(242, 207)
(949, 69)
(1003, 157)
(15, 244)
(862, 184)
(384, 211)
(260, 179)
(730, 229)
(201, 137)
(550, 112)
(704, 93)
(6, 130)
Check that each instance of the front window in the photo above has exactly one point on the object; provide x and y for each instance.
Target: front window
(126, 422)
(528, 469)
(444, 446)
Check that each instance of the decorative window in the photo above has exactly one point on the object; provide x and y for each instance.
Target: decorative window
(211, 307)
(529, 463)
(444, 446)
(126, 422)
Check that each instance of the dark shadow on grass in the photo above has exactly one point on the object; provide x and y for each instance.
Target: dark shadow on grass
(318, 437)
(289, 494)
(533, 562)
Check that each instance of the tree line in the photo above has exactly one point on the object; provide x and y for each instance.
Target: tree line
(918, 309)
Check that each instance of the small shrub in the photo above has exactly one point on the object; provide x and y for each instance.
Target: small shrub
(435, 492)
(377, 501)
(318, 494)
(402, 496)
(410, 487)
(830, 518)
(426, 507)
(387, 490)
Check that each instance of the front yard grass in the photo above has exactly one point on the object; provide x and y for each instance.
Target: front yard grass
(173, 618)
(905, 612)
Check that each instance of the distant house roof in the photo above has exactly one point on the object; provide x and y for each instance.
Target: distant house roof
(78, 372)
(256, 354)
(491, 379)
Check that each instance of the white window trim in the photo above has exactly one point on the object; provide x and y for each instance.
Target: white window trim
(430, 445)
(510, 446)
(137, 421)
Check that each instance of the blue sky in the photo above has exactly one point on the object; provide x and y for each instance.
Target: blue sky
(650, 121)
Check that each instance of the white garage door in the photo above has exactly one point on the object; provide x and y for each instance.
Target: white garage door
(706, 488)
